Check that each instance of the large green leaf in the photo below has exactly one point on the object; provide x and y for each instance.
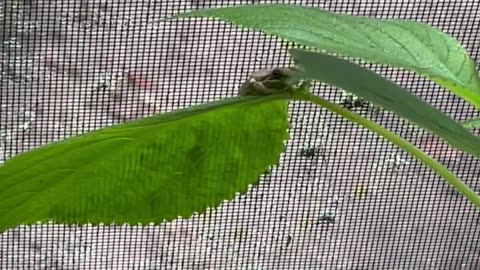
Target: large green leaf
(405, 44)
(149, 170)
(380, 91)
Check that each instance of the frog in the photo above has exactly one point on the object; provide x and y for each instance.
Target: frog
(269, 81)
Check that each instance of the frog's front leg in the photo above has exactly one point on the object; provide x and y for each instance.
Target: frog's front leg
(305, 85)
(261, 89)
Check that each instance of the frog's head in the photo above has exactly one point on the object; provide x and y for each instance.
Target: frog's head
(268, 81)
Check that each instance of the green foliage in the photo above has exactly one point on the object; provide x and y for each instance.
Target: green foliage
(150, 170)
(406, 44)
(448, 176)
(374, 88)
(175, 164)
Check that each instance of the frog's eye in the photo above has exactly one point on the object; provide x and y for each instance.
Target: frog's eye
(278, 72)
(282, 72)
(275, 84)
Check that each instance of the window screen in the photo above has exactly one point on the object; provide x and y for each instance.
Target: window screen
(340, 198)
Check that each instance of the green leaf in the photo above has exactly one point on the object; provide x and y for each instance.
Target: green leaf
(448, 176)
(406, 44)
(149, 170)
(472, 123)
(380, 91)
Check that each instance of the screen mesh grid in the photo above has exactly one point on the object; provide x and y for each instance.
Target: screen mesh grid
(341, 198)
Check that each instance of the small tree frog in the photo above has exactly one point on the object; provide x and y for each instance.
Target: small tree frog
(268, 81)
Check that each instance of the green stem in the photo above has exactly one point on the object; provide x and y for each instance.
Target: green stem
(451, 178)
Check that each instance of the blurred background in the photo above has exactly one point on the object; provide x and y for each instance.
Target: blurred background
(341, 198)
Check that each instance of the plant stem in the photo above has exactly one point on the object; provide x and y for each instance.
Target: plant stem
(451, 178)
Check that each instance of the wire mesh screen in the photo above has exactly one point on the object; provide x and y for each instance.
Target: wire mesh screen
(340, 198)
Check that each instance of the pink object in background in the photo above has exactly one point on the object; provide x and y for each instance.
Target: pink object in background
(438, 149)
(140, 80)
(134, 96)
